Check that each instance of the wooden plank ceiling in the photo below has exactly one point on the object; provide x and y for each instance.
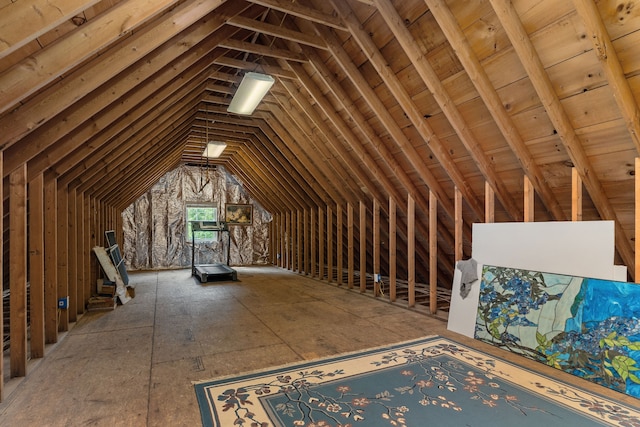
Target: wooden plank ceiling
(374, 99)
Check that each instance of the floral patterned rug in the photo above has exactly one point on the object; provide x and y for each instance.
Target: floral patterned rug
(432, 380)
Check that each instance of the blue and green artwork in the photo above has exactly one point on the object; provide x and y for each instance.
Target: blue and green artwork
(587, 327)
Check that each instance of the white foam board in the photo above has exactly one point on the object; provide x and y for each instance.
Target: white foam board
(577, 248)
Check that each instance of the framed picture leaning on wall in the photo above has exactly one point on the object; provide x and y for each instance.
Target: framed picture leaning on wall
(239, 214)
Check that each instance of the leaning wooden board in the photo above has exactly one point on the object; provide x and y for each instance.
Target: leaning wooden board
(112, 274)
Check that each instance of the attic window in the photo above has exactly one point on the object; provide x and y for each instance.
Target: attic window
(200, 212)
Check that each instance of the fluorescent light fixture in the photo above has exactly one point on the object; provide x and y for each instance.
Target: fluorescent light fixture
(253, 87)
(214, 149)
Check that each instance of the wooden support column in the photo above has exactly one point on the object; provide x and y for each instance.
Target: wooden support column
(314, 243)
(283, 240)
(273, 240)
(50, 260)
(95, 267)
(363, 246)
(72, 261)
(307, 239)
(280, 241)
(393, 232)
(62, 251)
(276, 245)
(1, 275)
(287, 241)
(350, 244)
(339, 252)
(489, 203)
(529, 200)
(299, 239)
(18, 270)
(458, 226)
(433, 253)
(294, 243)
(36, 265)
(376, 246)
(576, 195)
(637, 219)
(88, 258)
(321, 243)
(82, 292)
(411, 249)
(329, 243)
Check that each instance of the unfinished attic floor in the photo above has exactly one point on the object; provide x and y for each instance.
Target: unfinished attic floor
(134, 366)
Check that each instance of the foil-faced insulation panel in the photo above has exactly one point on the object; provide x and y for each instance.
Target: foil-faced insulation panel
(154, 226)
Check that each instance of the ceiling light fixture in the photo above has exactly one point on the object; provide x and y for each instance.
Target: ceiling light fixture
(214, 149)
(253, 87)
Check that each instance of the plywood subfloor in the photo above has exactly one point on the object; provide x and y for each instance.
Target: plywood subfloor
(134, 366)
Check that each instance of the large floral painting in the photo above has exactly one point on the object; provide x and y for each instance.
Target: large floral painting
(587, 327)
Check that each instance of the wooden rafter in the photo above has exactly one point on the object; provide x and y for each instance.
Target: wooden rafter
(489, 95)
(448, 106)
(301, 11)
(606, 53)
(529, 58)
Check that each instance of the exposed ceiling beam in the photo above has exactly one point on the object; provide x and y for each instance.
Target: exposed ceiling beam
(296, 9)
(253, 66)
(529, 58)
(19, 82)
(47, 103)
(606, 53)
(262, 50)
(437, 89)
(276, 31)
(489, 95)
(23, 22)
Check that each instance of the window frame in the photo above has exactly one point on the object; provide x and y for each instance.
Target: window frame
(188, 236)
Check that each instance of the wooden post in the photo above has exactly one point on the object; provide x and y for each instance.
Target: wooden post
(576, 195)
(363, 246)
(350, 260)
(275, 248)
(18, 270)
(393, 231)
(376, 246)
(321, 242)
(283, 240)
(287, 240)
(271, 246)
(72, 271)
(88, 258)
(489, 203)
(433, 253)
(299, 240)
(314, 243)
(329, 243)
(529, 200)
(306, 240)
(81, 285)
(339, 254)
(294, 241)
(458, 226)
(1, 275)
(637, 220)
(95, 267)
(290, 241)
(62, 242)
(411, 249)
(51, 260)
(36, 264)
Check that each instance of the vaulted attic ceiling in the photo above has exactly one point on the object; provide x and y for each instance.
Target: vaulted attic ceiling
(374, 99)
